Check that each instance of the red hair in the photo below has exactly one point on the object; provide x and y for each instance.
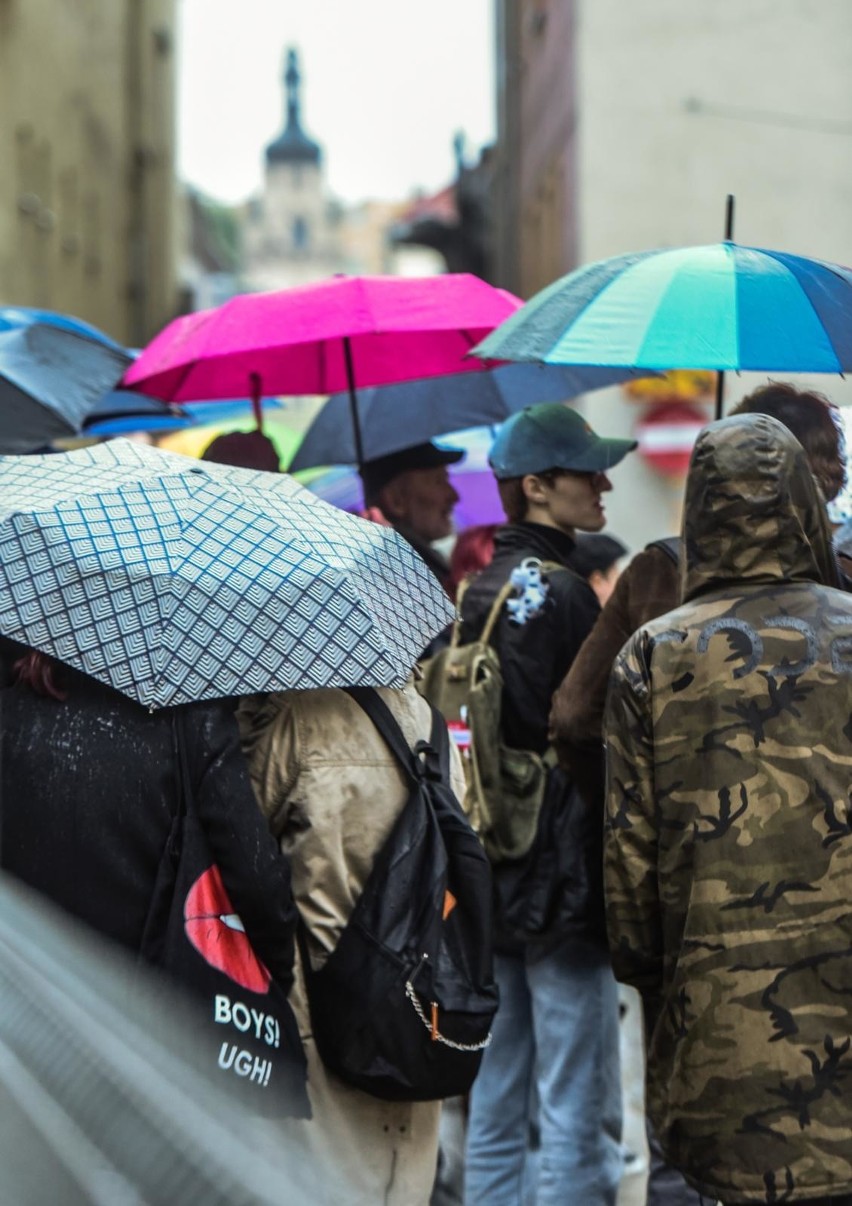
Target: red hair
(472, 551)
(38, 672)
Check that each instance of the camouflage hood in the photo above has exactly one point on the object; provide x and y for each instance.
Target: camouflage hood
(753, 511)
(728, 840)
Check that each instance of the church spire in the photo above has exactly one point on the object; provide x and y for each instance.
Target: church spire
(293, 144)
(292, 82)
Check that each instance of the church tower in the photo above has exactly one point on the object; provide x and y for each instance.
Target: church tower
(291, 234)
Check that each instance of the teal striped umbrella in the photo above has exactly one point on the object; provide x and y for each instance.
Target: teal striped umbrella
(722, 306)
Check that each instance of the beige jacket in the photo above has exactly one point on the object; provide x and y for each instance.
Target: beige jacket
(332, 791)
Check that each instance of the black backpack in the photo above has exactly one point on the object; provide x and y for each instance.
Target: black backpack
(402, 1008)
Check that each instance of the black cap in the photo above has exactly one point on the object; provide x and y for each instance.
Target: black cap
(377, 473)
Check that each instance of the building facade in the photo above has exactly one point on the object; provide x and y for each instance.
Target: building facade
(88, 193)
(624, 126)
(295, 231)
(291, 232)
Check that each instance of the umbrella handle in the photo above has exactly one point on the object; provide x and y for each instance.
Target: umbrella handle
(720, 376)
(256, 392)
(353, 402)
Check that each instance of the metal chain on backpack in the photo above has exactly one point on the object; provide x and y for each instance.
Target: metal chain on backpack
(433, 1029)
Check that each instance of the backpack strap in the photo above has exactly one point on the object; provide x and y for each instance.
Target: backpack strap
(186, 802)
(491, 619)
(436, 760)
(455, 636)
(670, 545)
(494, 614)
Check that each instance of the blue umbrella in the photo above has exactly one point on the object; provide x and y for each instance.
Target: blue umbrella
(53, 370)
(397, 416)
(720, 307)
(172, 580)
(14, 317)
(121, 411)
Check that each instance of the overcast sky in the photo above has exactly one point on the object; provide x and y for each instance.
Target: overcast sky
(385, 85)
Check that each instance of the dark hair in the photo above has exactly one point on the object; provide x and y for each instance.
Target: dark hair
(596, 551)
(815, 422)
(513, 499)
(243, 450)
(39, 672)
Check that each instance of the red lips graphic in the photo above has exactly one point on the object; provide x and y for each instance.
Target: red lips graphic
(217, 933)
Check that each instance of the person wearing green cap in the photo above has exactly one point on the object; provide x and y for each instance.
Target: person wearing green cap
(554, 1055)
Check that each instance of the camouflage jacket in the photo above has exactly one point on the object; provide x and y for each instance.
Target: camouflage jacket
(728, 843)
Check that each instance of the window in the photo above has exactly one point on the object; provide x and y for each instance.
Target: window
(300, 233)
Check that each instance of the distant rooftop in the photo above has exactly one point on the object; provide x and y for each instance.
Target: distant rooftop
(293, 145)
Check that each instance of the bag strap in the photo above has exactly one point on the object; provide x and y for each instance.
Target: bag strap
(546, 567)
(439, 740)
(455, 636)
(461, 591)
(436, 758)
(494, 614)
(186, 803)
(670, 545)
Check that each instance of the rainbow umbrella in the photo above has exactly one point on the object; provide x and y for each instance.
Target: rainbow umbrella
(723, 306)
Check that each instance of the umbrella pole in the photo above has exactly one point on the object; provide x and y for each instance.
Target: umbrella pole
(729, 234)
(256, 393)
(353, 402)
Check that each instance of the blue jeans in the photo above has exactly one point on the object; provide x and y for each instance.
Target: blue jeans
(555, 1044)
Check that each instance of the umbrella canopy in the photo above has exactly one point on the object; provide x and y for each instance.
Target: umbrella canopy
(322, 338)
(172, 580)
(122, 410)
(53, 371)
(394, 417)
(720, 307)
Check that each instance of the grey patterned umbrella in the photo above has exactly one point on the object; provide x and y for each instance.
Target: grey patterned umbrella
(173, 580)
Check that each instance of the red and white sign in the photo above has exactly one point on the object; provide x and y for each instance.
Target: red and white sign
(666, 436)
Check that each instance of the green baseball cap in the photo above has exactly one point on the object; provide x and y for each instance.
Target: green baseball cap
(552, 436)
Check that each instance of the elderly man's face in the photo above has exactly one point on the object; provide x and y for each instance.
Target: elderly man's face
(422, 500)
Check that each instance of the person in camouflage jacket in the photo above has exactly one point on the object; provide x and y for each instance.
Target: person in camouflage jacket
(728, 832)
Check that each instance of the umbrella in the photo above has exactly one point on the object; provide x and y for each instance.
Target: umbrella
(172, 580)
(723, 306)
(393, 417)
(103, 1103)
(479, 501)
(338, 334)
(122, 410)
(53, 370)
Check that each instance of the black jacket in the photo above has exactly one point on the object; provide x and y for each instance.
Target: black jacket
(556, 892)
(435, 560)
(89, 791)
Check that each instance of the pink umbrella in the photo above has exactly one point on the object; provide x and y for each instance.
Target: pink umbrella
(335, 335)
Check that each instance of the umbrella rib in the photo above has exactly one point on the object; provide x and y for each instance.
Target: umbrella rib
(184, 374)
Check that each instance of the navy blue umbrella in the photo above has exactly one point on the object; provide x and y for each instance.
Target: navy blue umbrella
(53, 371)
(122, 411)
(398, 416)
